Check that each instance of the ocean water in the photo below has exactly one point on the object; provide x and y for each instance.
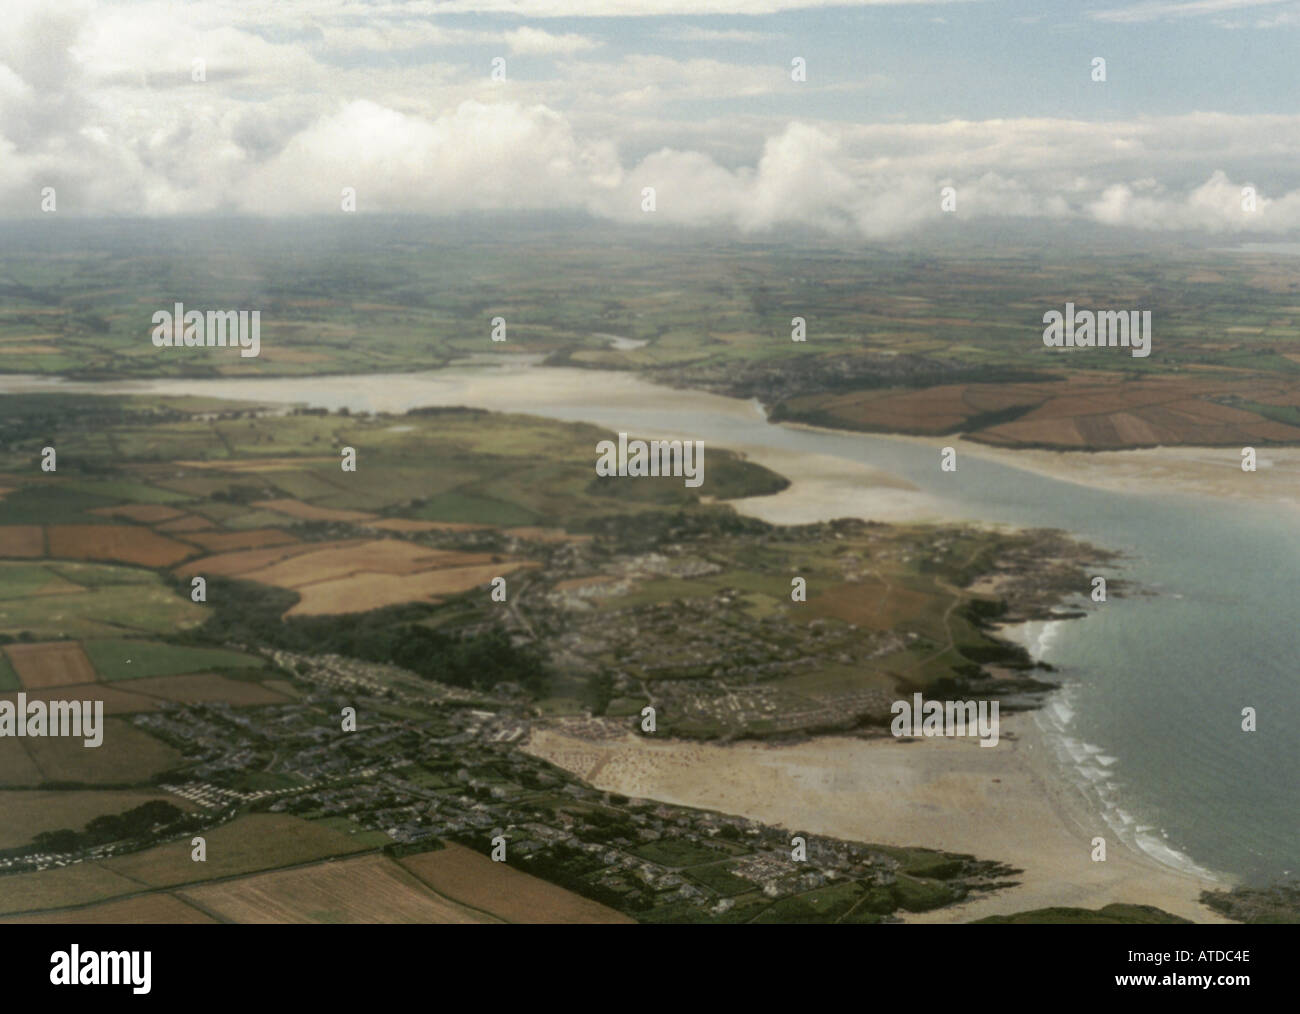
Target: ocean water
(1149, 719)
(1151, 715)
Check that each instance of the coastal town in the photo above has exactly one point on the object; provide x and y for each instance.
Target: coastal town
(430, 763)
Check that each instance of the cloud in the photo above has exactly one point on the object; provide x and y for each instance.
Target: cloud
(647, 8)
(1154, 10)
(392, 35)
(534, 41)
(693, 33)
(98, 102)
(807, 178)
(481, 156)
(650, 79)
(1217, 206)
(846, 180)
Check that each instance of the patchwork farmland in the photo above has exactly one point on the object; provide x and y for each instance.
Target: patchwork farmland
(323, 594)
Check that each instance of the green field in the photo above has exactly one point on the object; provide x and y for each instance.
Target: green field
(128, 492)
(826, 904)
(99, 575)
(673, 853)
(392, 295)
(24, 580)
(125, 660)
(114, 600)
(454, 465)
(8, 678)
(457, 506)
(719, 879)
(359, 835)
(52, 504)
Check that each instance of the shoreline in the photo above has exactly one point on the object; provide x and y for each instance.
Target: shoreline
(1011, 802)
(1167, 470)
(1173, 469)
(825, 485)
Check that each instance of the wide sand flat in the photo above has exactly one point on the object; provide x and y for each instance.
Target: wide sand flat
(933, 793)
(1203, 471)
(1199, 471)
(824, 486)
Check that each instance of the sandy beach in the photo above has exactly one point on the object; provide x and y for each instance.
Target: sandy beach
(1202, 471)
(1009, 803)
(1006, 803)
(1199, 471)
(823, 486)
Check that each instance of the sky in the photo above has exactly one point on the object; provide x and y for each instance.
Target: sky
(156, 108)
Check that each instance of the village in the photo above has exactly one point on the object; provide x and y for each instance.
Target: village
(431, 763)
